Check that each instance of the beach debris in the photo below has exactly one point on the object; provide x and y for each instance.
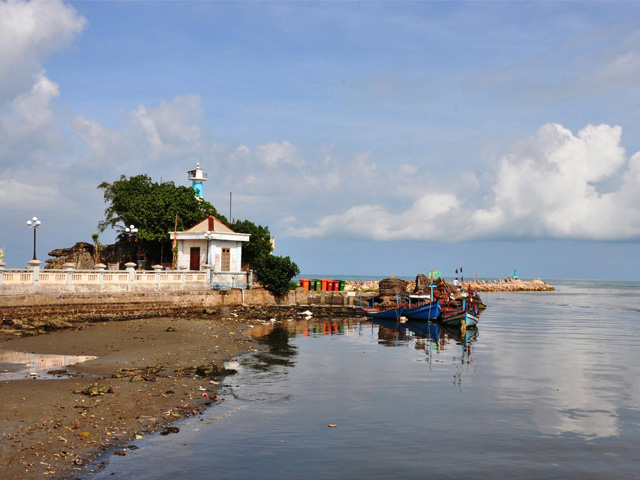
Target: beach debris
(78, 461)
(147, 374)
(332, 425)
(206, 370)
(307, 313)
(170, 329)
(121, 453)
(169, 430)
(94, 390)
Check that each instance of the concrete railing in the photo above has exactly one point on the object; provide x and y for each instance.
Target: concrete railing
(34, 275)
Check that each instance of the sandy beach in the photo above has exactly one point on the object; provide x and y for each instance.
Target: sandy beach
(48, 430)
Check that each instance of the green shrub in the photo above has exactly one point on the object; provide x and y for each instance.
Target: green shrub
(275, 273)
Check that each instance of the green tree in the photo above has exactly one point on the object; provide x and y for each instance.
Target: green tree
(259, 244)
(275, 273)
(152, 207)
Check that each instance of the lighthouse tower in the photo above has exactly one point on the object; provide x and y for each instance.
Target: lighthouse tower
(197, 176)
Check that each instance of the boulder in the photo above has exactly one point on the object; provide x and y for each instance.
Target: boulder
(392, 286)
(422, 284)
(81, 254)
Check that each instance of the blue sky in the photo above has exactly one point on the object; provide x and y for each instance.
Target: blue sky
(371, 137)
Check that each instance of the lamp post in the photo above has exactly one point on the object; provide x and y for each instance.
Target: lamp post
(131, 231)
(34, 223)
(209, 237)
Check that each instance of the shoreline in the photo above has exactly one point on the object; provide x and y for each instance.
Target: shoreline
(49, 429)
(146, 365)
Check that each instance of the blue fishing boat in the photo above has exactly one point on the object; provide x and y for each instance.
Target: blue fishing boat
(429, 311)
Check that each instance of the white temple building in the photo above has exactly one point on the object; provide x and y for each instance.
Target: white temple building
(210, 242)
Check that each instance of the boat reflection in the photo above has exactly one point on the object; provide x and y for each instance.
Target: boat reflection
(428, 336)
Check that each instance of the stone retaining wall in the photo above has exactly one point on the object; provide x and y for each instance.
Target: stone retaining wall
(72, 307)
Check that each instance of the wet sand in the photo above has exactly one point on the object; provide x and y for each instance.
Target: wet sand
(49, 431)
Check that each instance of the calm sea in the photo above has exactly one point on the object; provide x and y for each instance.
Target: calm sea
(548, 387)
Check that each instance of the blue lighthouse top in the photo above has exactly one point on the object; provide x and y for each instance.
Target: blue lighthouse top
(197, 176)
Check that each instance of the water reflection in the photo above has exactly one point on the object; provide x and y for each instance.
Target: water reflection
(429, 337)
(426, 336)
(20, 365)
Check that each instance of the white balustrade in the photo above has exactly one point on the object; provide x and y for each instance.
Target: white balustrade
(100, 276)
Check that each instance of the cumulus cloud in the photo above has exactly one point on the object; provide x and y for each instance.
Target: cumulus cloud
(274, 154)
(29, 33)
(152, 138)
(550, 187)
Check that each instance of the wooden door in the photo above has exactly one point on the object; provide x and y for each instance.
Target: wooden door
(194, 259)
(226, 260)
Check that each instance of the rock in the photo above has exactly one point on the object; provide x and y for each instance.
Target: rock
(422, 284)
(213, 370)
(168, 430)
(81, 254)
(392, 286)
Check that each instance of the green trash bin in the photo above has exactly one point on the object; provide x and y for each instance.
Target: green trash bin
(312, 285)
(342, 285)
(318, 285)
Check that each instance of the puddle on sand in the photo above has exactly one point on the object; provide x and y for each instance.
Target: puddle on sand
(21, 365)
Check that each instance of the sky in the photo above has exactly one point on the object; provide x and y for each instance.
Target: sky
(373, 138)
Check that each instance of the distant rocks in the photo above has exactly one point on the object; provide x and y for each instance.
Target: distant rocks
(509, 284)
(389, 287)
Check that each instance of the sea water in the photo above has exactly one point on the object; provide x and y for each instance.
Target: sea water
(548, 387)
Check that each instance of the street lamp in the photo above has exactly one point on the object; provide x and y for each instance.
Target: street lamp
(131, 231)
(209, 237)
(34, 223)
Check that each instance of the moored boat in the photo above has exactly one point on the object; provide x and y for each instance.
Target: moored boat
(429, 311)
(460, 318)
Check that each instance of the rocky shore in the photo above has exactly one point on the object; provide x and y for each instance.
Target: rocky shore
(508, 284)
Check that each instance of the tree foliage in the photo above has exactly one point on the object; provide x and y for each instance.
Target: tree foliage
(275, 273)
(152, 207)
(259, 244)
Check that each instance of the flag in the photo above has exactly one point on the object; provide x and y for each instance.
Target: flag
(1, 252)
(175, 233)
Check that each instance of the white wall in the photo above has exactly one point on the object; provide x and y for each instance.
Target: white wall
(216, 246)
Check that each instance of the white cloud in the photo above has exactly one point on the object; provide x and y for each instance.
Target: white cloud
(29, 33)
(14, 193)
(153, 138)
(549, 188)
(275, 154)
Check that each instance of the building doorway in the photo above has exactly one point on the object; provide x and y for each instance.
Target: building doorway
(225, 265)
(194, 258)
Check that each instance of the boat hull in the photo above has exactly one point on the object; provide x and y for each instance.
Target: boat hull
(460, 319)
(431, 311)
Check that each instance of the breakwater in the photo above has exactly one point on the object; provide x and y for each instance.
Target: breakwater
(508, 284)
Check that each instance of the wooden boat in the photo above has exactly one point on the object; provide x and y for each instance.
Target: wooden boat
(461, 318)
(430, 311)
